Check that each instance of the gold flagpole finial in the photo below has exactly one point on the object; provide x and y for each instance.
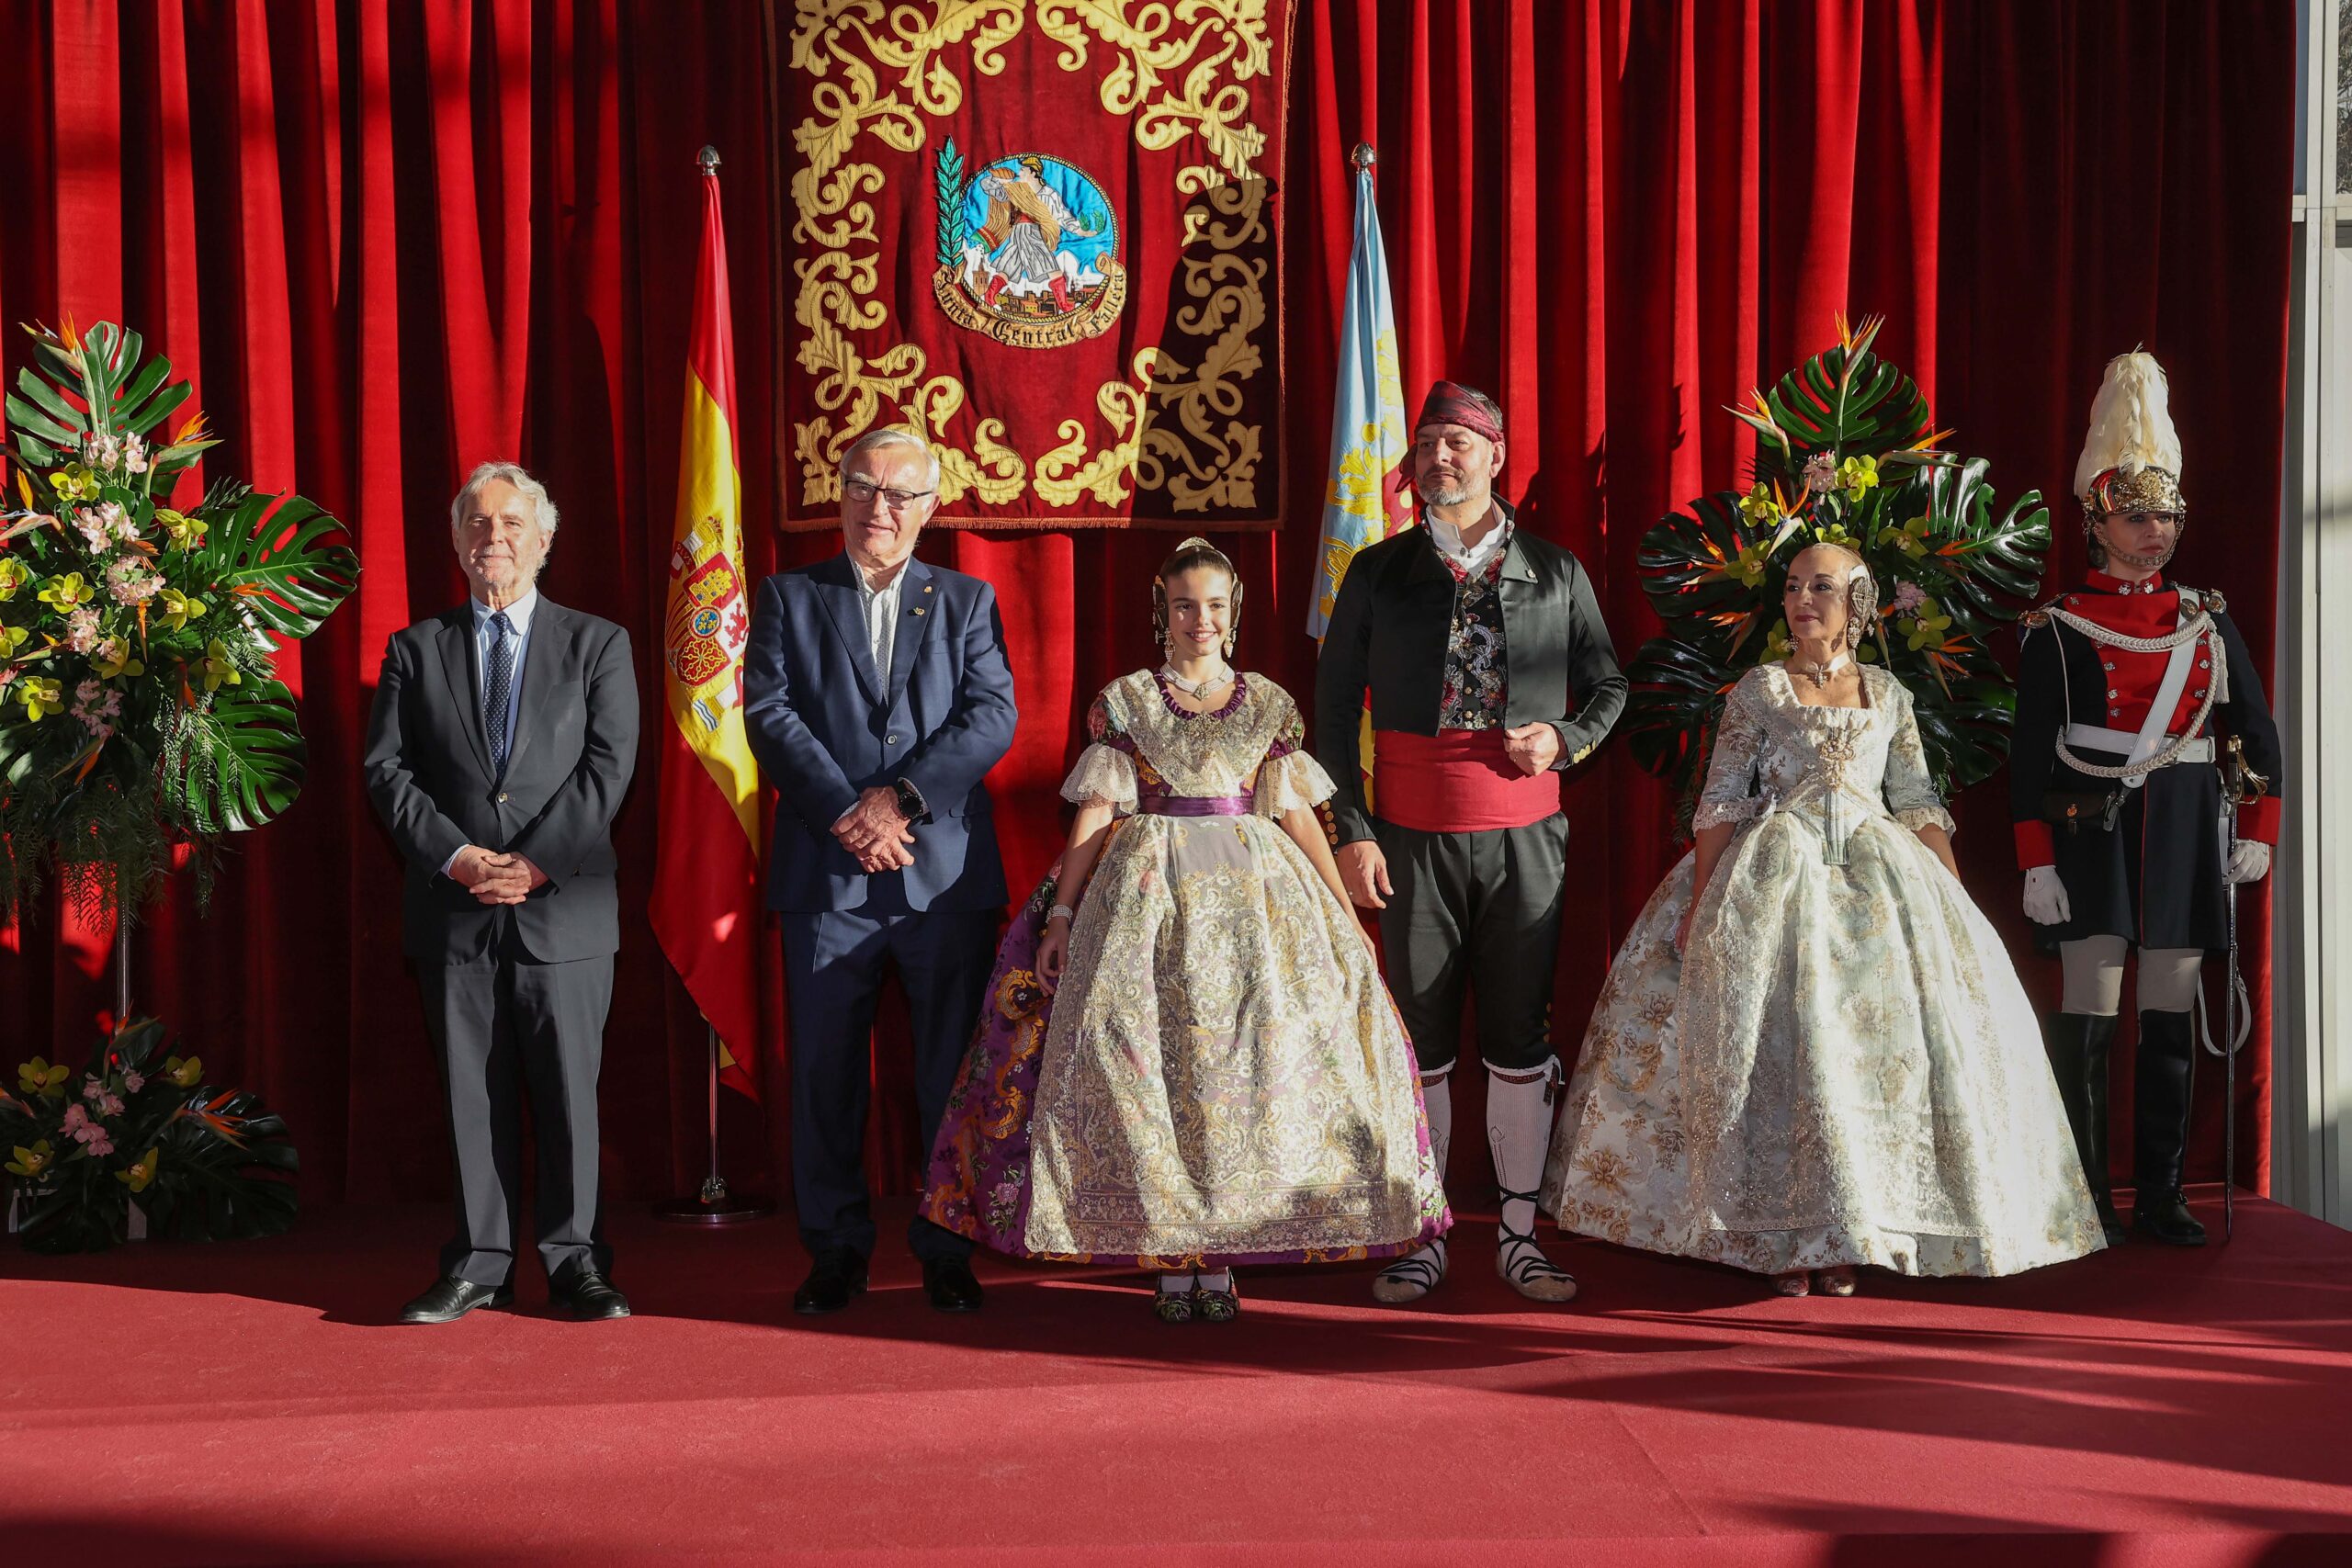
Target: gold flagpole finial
(707, 160)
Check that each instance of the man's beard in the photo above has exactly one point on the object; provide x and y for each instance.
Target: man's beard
(1453, 494)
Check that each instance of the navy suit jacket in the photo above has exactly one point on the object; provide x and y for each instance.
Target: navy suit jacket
(826, 725)
(428, 771)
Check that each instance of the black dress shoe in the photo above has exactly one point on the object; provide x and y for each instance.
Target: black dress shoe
(450, 1300)
(948, 1282)
(591, 1297)
(834, 1279)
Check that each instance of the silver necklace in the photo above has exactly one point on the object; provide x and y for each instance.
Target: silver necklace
(1819, 674)
(1201, 687)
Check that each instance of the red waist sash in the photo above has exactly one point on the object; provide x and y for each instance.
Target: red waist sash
(1457, 781)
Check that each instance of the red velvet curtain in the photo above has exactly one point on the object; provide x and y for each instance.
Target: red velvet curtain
(390, 241)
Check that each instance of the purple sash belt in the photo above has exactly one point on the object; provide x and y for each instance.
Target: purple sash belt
(1196, 805)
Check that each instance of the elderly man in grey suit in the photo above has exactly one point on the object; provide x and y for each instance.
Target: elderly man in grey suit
(502, 738)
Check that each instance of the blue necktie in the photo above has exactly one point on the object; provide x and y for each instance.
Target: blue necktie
(495, 691)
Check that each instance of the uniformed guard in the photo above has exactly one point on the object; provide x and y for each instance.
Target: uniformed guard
(2144, 787)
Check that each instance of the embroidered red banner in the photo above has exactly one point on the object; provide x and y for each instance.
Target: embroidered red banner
(1045, 235)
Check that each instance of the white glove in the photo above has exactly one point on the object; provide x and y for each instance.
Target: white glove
(2045, 898)
(2249, 861)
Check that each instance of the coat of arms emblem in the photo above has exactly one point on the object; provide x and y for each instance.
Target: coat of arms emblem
(1028, 250)
(710, 623)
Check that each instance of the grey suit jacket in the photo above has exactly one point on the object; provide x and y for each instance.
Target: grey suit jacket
(428, 770)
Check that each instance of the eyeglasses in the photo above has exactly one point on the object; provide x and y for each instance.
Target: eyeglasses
(862, 490)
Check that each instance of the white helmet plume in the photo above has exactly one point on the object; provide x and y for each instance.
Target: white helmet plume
(2131, 423)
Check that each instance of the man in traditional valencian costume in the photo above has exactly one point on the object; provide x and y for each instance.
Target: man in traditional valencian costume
(1489, 671)
(2144, 787)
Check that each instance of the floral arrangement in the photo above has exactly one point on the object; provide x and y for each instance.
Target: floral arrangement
(140, 710)
(1844, 455)
(200, 1163)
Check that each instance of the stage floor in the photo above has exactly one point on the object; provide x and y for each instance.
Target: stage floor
(250, 1404)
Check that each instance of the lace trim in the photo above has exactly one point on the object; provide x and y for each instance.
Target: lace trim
(1291, 782)
(1918, 816)
(1103, 773)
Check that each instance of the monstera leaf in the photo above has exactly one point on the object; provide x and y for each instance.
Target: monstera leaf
(281, 560)
(1845, 400)
(102, 369)
(1678, 693)
(1701, 568)
(238, 760)
(1993, 564)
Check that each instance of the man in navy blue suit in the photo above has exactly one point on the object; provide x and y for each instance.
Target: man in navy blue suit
(879, 698)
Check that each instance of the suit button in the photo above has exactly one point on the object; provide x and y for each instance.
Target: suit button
(502, 797)
(2204, 664)
(2200, 691)
(2115, 713)
(889, 740)
(2112, 691)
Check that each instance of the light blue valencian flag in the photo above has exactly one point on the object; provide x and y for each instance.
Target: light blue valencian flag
(1362, 505)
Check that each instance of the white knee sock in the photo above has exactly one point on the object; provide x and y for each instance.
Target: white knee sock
(1417, 1274)
(1518, 1134)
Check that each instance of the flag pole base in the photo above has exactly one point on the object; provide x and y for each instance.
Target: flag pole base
(714, 1205)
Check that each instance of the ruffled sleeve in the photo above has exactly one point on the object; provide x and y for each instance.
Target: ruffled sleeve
(1290, 779)
(1729, 796)
(1910, 790)
(1105, 772)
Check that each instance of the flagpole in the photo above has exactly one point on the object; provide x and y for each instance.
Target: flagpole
(713, 1204)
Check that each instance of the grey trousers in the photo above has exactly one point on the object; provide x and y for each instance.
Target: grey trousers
(501, 1025)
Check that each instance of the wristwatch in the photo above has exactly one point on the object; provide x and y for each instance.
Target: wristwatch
(911, 805)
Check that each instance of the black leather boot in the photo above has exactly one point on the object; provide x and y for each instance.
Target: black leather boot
(2078, 1048)
(2163, 1074)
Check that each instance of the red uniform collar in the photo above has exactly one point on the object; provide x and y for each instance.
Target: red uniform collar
(2099, 583)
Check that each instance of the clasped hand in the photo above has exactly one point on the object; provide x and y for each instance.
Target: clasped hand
(875, 834)
(495, 878)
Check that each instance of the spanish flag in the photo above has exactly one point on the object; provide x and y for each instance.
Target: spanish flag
(705, 903)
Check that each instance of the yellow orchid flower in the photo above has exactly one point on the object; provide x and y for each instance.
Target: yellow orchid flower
(1835, 534)
(186, 1073)
(75, 481)
(185, 531)
(14, 574)
(1759, 505)
(36, 1077)
(13, 638)
(180, 608)
(42, 696)
(31, 1161)
(124, 662)
(1925, 627)
(1911, 538)
(67, 591)
(1776, 643)
(1750, 566)
(218, 668)
(1856, 475)
(141, 1171)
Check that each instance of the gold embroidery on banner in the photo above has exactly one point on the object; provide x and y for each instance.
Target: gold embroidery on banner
(1204, 456)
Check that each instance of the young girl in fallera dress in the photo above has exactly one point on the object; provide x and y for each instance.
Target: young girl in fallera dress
(1187, 1057)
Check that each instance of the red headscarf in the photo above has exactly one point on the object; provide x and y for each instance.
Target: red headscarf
(1449, 402)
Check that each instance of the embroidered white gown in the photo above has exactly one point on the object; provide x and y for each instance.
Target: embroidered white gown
(1844, 1068)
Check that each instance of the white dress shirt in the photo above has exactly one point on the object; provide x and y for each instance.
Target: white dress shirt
(1448, 539)
(881, 606)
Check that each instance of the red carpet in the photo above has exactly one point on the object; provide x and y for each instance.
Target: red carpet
(247, 1403)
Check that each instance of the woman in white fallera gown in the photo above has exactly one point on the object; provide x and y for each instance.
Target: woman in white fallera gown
(1812, 1052)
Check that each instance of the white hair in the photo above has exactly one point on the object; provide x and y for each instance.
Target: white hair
(875, 440)
(542, 508)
